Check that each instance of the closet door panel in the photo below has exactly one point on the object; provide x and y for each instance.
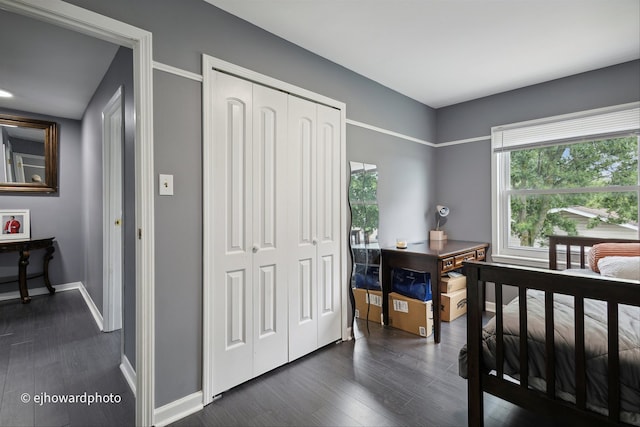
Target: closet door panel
(232, 314)
(327, 172)
(236, 185)
(269, 229)
(235, 297)
(306, 176)
(326, 285)
(303, 227)
(265, 176)
(267, 308)
(305, 309)
(328, 195)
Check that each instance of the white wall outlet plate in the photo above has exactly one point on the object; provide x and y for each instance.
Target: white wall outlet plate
(165, 185)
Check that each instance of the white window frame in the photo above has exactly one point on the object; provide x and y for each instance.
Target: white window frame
(585, 125)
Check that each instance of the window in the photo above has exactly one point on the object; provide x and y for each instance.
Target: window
(575, 174)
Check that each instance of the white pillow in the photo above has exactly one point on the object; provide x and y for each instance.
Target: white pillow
(621, 267)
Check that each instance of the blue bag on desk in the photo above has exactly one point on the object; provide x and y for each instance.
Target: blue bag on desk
(412, 284)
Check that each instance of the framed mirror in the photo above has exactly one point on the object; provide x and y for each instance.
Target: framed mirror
(28, 155)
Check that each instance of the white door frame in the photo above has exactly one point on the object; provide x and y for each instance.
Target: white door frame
(112, 212)
(208, 153)
(90, 23)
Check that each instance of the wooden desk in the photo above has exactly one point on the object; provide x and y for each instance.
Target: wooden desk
(24, 247)
(435, 258)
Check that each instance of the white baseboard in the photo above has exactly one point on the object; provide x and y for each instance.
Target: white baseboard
(177, 409)
(97, 316)
(129, 373)
(5, 296)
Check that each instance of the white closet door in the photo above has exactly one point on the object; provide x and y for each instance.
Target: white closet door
(232, 313)
(270, 306)
(249, 230)
(273, 189)
(303, 322)
(328, 193)
(314, 282)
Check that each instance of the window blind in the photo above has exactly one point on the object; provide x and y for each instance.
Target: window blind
(587, 126)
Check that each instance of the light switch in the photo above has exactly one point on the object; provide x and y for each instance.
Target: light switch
(165, 185)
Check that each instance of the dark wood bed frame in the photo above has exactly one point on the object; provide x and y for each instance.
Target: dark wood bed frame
(612, 291)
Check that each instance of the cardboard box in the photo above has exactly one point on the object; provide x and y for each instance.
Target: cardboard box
(410, 314)
(450, 284)
(453, 305)
(362, 300)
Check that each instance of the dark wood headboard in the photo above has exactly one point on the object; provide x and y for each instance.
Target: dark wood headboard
(567, 242)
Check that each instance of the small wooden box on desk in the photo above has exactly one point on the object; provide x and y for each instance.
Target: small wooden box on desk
(435, 258)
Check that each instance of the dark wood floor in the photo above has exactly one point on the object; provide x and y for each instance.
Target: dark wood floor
(386, 377)
(53, 346)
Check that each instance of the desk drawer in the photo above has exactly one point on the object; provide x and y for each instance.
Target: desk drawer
(459, 259)
(448, 264)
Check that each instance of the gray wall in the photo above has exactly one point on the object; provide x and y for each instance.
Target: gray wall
(600, 88)
(463, 172)
(28, 147)
(53, 215)
(463, 183)
(120, 73)
(406, 186)
(182, 31)
(178, 234)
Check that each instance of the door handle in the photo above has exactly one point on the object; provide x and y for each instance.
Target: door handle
(255, 249)
(314, 242)
(118, 222)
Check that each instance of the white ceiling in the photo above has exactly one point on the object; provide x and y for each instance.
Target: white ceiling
(48, 69)
(29, 134)
(439, 52)
(442, 52)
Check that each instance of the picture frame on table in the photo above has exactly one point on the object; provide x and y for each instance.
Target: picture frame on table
(16, 224)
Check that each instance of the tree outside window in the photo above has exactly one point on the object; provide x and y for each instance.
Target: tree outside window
(576, 189)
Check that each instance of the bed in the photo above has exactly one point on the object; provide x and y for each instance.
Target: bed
(589, 374)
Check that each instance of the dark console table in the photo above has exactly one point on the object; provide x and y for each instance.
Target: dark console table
(24, 247)
(436, 258)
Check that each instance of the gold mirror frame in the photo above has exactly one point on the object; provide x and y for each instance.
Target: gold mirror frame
(50, 184)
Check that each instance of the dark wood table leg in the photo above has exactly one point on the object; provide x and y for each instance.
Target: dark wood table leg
(386, 287)
(435, 295)
(47, 257)
(431, 267)
(22, 276)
